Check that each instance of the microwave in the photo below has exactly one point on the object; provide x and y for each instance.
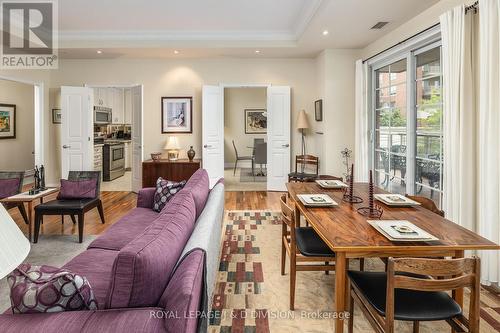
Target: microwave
(102, 115)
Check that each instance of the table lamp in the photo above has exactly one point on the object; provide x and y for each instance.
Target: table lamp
(14, 246)
(172, 148)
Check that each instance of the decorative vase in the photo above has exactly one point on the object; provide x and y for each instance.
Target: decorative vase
(191, 153)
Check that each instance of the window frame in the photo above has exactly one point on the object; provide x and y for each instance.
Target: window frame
(408, 50)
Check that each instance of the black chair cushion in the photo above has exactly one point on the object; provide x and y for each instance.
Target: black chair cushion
(302, 175)
(408, 304)
(55, 206)
(310, 244)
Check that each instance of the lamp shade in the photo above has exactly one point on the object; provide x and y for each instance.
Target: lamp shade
(302, 122)
(14, 246)
(172, 143)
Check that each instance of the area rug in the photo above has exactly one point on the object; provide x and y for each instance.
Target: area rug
(53, 250)
(247, 177)
(251, 295)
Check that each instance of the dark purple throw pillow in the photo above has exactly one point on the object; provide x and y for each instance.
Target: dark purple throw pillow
(8, 187)
(77, 189)
(165, 190)
(35, 289)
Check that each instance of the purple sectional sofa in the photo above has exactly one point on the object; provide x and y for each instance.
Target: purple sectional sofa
(149, 270)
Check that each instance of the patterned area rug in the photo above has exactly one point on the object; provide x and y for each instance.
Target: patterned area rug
(252, 296)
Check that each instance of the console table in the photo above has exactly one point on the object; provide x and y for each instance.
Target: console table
(177, 171)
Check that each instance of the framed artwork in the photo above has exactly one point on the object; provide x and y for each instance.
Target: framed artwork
(7, 121)
(56, 116)
(177, 114)
(255, 121)
(318, 110)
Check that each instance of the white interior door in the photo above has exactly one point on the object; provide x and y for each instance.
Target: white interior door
(76, 130)
(213, 132)
(278, 137)
(137, 155)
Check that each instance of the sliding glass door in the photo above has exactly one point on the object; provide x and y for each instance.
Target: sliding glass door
(407, 123)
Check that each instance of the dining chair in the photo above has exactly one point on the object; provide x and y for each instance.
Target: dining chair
(72, 207)
(427, 204)
(304, 161)
(415, 289)
(242, 158)
(328, 177)
(15, 181)
(301, 245)
(260, 157)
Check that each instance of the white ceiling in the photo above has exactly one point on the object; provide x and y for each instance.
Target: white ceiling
(224, 28)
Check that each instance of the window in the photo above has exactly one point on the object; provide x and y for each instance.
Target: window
(407, 124)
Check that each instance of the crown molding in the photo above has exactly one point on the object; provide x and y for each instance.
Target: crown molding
(310, 9)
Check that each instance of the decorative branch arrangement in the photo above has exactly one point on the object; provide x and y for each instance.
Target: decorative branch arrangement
(346, 155)
(348, 193)
(373, 210)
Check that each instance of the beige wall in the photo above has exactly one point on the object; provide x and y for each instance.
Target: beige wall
(17, 154)
(236, 100)
(185, 78)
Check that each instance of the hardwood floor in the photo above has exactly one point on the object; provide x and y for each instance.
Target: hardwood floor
(118, 204)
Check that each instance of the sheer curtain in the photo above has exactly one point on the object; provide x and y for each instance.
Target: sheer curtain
(471, 124)
(489, 137)
(361, 140)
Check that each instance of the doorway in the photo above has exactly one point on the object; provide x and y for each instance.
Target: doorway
(21, 126)
(277, 137)
(245, 139)
(114, 144)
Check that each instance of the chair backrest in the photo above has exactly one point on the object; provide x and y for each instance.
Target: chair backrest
(307, 160)
(13, 175)
(427, 204)
(261, 153)
(83, 175)
(235, 150)
(328, 177)
(452, 273)
(288, 218)
(256, 141)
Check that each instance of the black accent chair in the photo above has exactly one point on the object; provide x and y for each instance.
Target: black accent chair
(4, 175)
(75, 207)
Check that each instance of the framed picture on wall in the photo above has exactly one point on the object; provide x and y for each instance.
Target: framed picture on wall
(56, 116)
(177, 114)
(318, 110)
(255, 121)
(7, 121)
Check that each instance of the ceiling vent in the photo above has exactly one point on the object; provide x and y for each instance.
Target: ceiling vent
(379, 25)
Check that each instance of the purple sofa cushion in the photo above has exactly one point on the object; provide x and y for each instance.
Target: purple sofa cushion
(199, 186)
(96, 266)
(125, 230)
(148, 320)
(40, 289)
(67, 322)
(142, 268)
(77, 189)
(9, 187)
(184, 293)
(145, 197)
(165, 191)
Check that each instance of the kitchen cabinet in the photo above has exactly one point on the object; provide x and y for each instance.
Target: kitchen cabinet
(102, 97)
(127, 106)
(98, 158)
(118, 115)
(128, 156)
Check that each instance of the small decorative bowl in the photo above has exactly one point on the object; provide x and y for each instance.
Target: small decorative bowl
(155, 156)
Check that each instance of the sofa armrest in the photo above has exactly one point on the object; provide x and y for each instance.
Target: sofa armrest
(70, 321)
(145, 197)
(184, 294)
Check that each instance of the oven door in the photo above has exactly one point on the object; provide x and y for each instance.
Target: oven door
(117, 157)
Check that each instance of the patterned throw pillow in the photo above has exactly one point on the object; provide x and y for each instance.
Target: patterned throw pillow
(35, 289)
(165, 190)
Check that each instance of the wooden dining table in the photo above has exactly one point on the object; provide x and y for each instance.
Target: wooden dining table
(349, 235)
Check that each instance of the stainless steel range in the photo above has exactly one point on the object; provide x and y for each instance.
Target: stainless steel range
(113, 159)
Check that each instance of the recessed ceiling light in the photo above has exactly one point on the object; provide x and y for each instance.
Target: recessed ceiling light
(257, 51)
(325, 32)
(176, 52)
(99, 51)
